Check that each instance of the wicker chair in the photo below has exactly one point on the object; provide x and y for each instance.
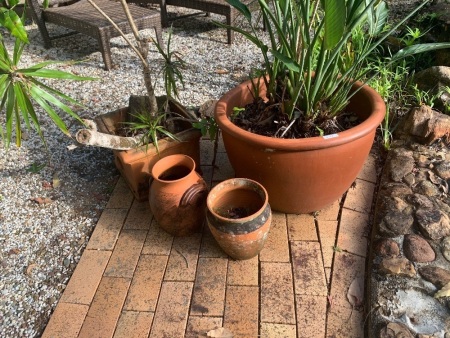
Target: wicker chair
(81, 17)
(220, 7)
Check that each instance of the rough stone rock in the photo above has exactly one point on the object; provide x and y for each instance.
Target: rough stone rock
(433, 223)
(422, 161)
(417, 249)
(445, 248)
(436, 275)
(396, 190)
(433, 80)
(420, 201)
(443, 170)
(400, 165)
(426, 188)
(395, 330)
(387, 247)
(397, 266)
(396, 223)
(409, 179)
(426, 125)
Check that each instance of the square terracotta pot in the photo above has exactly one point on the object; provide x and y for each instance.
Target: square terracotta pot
(135, 165)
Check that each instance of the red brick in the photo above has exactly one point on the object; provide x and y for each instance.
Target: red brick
(105, 309)
(301, 227)
(270, 330)
(146, 283)
(244, 272)
(209, 287)
(183, 258)
(241, 311)
(198, 326)
(172, 311)
(158, 242)
(311, 315)
(369, 170)
(86, 277)
(330, 212)
(327, 233)
(209, 247)
(309, 274)
(277, 293)
(134, 325)
(122, 197)
(359, 198)
(276, 248)
(107, 229)
(126, 254)
(353, 232)
(66, 321)
(347, 267)
(343, 322)
(139, 217)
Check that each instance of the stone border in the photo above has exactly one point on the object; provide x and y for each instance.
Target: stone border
(409, 259)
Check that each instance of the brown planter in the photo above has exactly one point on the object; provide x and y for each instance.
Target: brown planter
(301, 175)
(239, 216)
(178, 195)
(135, 165)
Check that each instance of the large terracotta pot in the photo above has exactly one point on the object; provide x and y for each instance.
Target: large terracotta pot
(178, 195)
(135, 165)
(239, 216)
(300, 175)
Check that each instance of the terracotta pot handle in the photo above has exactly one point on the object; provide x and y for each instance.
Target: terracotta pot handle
(194, 195)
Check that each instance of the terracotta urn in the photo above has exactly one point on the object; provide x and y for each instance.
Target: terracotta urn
(239, 217)
(177, 195)
(301, 175)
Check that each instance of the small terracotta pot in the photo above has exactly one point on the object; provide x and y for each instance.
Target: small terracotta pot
(177, 195)
(239, 216)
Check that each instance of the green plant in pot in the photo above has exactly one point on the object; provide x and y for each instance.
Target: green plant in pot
(21, 88)
(150, 116)
(295, 135)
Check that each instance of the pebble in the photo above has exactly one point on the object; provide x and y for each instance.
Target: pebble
(417, 249)
(436, 275)
(49, 234)
(397, 266)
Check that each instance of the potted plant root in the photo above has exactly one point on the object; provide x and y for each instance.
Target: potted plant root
(151, 127)
(305, 125)
(239, 217)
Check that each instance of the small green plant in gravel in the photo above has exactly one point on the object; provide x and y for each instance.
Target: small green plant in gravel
(35, 168)
(21, 88)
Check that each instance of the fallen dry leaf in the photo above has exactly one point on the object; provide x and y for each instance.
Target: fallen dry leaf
(56, 181)
(42, 200)
(221, 332)
(30, 268)
(222, 71)
(355, 292)
(444, 292)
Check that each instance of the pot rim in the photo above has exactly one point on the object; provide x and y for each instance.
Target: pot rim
(238, 182)
(181, 159)
(375, 101)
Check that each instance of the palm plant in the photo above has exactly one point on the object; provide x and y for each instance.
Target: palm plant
(311, 62)
(21, 88)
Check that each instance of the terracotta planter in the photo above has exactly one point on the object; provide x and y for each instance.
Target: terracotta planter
(135, 165)
(178, 195)
(239, 217)
(301, 175)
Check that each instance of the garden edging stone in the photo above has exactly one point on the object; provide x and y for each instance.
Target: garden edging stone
(409, 260)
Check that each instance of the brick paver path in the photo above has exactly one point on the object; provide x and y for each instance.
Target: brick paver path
(135, 280)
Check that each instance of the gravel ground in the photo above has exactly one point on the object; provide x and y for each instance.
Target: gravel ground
(51, 198)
